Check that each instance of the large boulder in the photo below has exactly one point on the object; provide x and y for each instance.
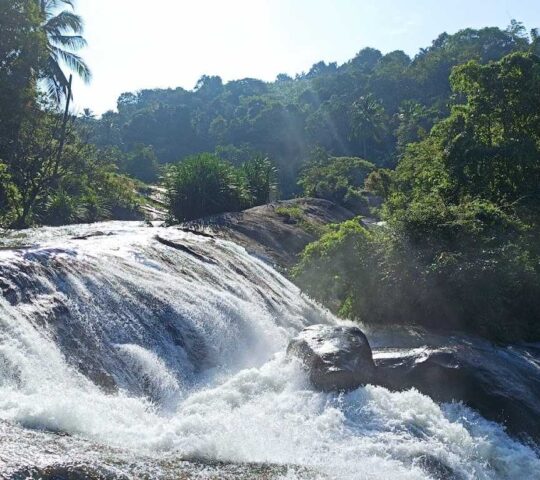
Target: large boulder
(337, 357)
(268, 232)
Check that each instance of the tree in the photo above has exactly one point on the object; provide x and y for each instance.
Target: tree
(459, 249)
(64, 37)
(142, 164)
(368, 124)
(8, 196)
(414, 123)
(372, 107)
(22, 51)
(339, 179)
(261, 178)
(493, 141)
(535, 41)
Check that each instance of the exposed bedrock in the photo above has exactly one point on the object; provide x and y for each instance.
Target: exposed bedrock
(502, 384)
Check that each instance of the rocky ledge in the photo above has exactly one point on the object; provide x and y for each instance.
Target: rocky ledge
(502, 384)
(276, 232)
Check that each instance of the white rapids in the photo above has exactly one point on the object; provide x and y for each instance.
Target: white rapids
(129, 357)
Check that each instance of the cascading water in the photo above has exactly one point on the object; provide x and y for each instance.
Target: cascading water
(136, 352)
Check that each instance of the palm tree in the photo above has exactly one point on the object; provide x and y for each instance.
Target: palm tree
(367, 121)
(63, 29)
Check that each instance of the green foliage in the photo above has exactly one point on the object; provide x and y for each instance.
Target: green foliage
(55, 186)
(370, 107)
(204, 185)
(338, 269)
(379, 182)
(62, 208)
(294, 214)
(47, 174)
(493, 141)
(460, 246)
(369, 125)
(63, 30)
(142, 164)
(8, 195)
(261, 178)
(339, 179)
(22, 52)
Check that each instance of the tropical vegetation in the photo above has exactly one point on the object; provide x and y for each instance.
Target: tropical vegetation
(442, 148)
(460, 245)
(49, 173)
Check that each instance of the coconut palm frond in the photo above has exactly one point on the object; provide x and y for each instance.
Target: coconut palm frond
(64, 34)
(74, 42)
(74, 62)
(63, 22)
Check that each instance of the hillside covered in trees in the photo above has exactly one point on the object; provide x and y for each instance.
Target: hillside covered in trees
(370, 107)
(443, 149)
(460, 247)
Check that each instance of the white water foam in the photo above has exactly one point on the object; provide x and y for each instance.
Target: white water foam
(133, 345)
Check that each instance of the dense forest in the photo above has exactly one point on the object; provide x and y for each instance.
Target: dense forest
(460, 246)
(443, 148)
(370, 107)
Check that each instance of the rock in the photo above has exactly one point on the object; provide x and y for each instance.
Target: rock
(503, 385)
(68, 472)
(337, 357)
(184, 248)
(86, 236)
(267, 234)
(436, 468)
(500, 383)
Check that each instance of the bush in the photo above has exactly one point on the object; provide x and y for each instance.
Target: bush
(205, 185)
(338, 179)
(142, 164)
(63, 209)
(334, 267)
(261, 179)
(379, 182)
(8, 196)
(484, 277)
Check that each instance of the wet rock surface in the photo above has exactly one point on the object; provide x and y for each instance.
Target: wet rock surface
(502, 384)
(268, 233)
(337, 358)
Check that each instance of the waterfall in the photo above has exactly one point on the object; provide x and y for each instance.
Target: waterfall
(144, 352)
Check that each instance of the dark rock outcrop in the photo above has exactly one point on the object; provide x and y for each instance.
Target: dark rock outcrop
(502, 384)
(184, 248)
(337, 357)
(268, 233)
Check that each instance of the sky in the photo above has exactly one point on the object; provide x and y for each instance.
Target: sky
(137, 44)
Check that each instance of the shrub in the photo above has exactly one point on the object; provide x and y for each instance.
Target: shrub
(205, 185)
(261, 179)
(338, 179)
(8, 196)
(484, 277)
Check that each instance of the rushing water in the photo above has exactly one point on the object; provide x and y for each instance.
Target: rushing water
(124, 356)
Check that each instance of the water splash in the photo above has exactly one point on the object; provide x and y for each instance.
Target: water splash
(147, 355)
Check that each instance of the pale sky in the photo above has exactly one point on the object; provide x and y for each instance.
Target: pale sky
(136, 44)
